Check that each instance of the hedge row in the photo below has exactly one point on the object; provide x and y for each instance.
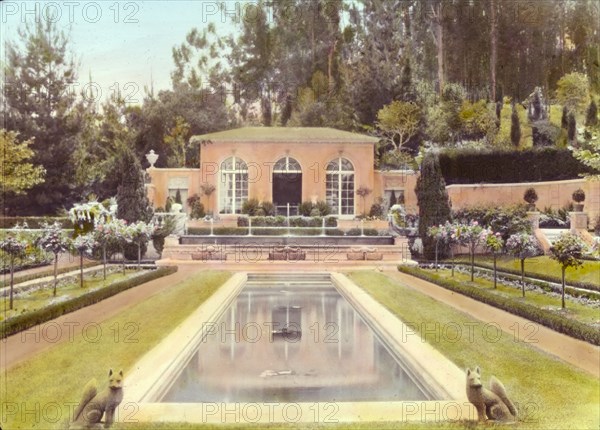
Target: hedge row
(542, 276)
(24, 278)
(39, 316)
(561, 324)
(281, 221)
(506, 166)
(34, 222)
(304, 231)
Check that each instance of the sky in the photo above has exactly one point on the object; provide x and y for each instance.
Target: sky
(122, 44)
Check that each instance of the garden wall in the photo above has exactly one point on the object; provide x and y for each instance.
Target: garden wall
(554, 194)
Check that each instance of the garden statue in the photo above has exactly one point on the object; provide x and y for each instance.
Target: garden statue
(492, 404)
(94, 405)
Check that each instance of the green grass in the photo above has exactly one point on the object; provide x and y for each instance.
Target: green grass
(38, 299)
(532, 378)
(575, 310)
(544, 265)
(59, 374)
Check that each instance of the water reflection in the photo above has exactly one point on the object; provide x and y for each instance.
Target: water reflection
(283, 343)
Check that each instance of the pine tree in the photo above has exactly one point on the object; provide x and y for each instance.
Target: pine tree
(591, 117)
(515, 128)
(433, 201)
(38, 104)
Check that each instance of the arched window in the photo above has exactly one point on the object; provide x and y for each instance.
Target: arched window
(287, 165)
(234, 185)
(340, 186)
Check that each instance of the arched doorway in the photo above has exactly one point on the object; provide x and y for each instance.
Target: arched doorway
(287, 183)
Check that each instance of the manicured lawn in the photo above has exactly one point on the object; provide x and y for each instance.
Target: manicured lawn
(37, 299)
(574, 309)
(550, 393)
(544, 265)
(59, 374)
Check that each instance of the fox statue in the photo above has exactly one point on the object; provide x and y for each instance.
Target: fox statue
(88, 414)
(492, 404)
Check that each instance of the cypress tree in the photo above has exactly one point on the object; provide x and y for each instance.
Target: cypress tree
(564, 121)
(515, 128)
(591, 118)
(133, 204)
(433, 201)
(572, 127)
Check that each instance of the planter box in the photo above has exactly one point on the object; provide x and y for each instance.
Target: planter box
(355, 256)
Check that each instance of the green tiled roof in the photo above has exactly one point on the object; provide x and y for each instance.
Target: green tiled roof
(286, 134)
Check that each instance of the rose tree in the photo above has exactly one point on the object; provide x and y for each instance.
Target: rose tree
(472, 235)
(494, 243)
(567, 250)
(139, 234)
(439, 235)
(522, 246)
(53, 240)
(83, 244)
(14, 248)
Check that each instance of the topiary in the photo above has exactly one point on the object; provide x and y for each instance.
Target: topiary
(578, 195)
(530, 196)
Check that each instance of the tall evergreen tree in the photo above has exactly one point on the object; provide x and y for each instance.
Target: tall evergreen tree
(591, 116)
(515, 127)
(572, 128)
(38, 104)
(133, 204)
(433, 201)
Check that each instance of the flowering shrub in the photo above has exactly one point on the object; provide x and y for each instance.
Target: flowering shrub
(84, 216)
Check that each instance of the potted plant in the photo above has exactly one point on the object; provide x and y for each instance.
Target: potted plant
(578, 198)
(530, 197)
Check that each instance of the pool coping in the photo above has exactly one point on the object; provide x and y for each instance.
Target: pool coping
(147, 381)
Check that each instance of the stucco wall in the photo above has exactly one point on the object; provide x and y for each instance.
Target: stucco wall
(555, 194)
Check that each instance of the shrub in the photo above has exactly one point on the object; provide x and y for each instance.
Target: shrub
(556, 322)
(377, 209)
(366, 231)
(323, 207)
(305, 208)
(268, 208)
(250, 207)
(39, 316)
(578, 195)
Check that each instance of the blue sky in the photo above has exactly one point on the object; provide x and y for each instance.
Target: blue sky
(122, 43)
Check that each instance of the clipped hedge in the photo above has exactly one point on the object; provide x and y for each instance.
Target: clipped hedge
(31, 276)
(541, 276)
(468, 166)
(34, 221)
(281, 221)
(561, 324)
(39, 316)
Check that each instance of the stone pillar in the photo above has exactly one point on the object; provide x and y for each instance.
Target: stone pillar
(579, 221)
(171, 240)
(534, 217)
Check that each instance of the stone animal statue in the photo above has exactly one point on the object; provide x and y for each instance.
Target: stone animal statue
(88, 414)
(492, 404)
